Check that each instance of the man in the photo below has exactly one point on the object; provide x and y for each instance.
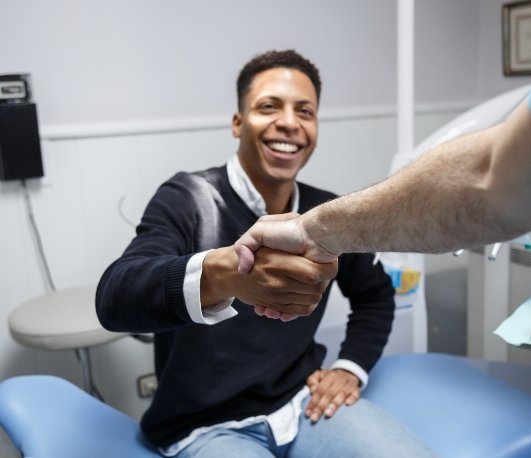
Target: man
(468, 192)
(232, 383)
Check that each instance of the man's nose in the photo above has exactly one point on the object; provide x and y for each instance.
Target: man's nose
(288, 119)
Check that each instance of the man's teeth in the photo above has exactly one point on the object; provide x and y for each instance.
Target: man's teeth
(283, 147)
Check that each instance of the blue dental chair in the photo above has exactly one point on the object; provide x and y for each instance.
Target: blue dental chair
(456, 408)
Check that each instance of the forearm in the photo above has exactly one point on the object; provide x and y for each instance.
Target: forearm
(220, 270)
(139, 294)
(367, 333)
(417, 209)
(468, 192)
(371, 298)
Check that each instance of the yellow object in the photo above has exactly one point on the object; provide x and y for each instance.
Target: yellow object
(409, 281)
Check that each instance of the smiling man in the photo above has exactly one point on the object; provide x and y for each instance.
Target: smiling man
(232, 383)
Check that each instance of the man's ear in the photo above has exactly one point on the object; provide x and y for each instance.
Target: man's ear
(236, 125)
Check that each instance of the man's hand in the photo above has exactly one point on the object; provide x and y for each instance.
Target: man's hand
(331, 388)
(285, 284)
(281, 232)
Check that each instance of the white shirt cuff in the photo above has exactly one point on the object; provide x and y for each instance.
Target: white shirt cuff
(192, 295)
(357, 370)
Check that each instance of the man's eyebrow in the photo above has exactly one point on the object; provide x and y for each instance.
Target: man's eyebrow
(276, 98)
(269, 96)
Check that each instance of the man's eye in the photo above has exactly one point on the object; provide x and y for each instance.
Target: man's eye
(306, 112)
(267, 107)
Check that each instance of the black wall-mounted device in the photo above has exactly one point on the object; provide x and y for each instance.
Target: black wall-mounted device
(20, 149)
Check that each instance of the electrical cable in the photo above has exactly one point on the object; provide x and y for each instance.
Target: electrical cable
(37, 235)
(122, 214)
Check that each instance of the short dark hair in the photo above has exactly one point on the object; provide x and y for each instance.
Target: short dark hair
(275, 59)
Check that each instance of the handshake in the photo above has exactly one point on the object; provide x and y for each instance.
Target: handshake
(308, 279)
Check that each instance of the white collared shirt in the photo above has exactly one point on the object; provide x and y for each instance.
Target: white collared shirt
(284, 423)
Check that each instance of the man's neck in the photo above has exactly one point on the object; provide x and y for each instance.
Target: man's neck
(277, 197)
(268, 196)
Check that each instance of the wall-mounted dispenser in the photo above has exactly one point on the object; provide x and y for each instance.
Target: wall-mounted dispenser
(20, 150)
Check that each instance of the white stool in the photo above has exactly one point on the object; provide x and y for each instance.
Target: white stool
(62, 320)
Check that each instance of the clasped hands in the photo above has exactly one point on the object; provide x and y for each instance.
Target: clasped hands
(300, 255)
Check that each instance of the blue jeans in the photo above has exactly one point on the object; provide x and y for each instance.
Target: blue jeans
(362, 430)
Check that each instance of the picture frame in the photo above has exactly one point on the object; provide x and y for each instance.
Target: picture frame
(516, 29)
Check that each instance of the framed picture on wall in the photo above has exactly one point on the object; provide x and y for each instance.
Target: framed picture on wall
(517, 38)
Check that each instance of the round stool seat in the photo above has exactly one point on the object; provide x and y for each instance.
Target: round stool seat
(61, 320)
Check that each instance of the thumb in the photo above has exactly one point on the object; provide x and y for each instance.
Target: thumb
(245, 247)
(245, 258)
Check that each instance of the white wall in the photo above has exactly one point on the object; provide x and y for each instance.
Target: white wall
(135, 66)
(127, 60)
(122, 60)
(446, 50)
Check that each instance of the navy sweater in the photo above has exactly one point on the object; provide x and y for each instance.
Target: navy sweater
(244, 366)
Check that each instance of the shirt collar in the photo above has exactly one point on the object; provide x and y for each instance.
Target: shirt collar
(243, 186)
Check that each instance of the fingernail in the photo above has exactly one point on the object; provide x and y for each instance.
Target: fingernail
(314, 418)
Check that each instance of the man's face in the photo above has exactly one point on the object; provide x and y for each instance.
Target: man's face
(277, 126)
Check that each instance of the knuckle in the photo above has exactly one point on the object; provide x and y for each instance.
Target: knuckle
(318, 394)
(321, 287)
(313, 276)
(274, 284)
(307, 310)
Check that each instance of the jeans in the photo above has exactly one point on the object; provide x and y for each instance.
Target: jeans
(362, 430)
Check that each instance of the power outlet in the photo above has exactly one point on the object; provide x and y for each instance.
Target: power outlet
(147, 385)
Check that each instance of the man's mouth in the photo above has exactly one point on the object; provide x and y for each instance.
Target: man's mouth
(282, 147)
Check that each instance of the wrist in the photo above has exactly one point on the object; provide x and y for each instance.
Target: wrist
(315, 229)
(350, 374)
(218, 266)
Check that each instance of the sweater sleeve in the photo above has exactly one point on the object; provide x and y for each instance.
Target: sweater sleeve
(142, 291)
(371, 298)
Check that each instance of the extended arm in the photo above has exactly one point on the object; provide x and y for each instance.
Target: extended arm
(144, 290)
(467, 192)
